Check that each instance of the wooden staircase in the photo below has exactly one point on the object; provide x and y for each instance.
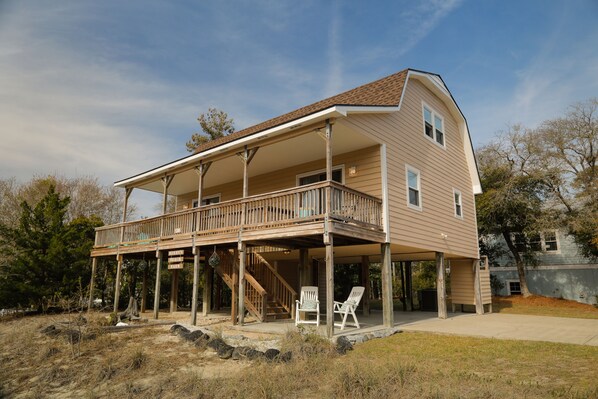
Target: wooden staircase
(268, 296)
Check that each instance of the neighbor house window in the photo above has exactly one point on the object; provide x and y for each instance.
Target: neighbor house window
(458, 205)
(550, 241)
(545, 241)
(433, 125)
(514, 287)
(413, 188)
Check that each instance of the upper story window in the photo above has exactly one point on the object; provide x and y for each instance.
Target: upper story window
(433, 125)
(413, 188)
(458, 204)
(318, 176)
(545, 241)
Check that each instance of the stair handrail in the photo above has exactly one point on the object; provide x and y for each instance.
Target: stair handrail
(288, 304)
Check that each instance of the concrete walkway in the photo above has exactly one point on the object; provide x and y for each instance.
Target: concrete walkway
(493, 325)
(510, 326)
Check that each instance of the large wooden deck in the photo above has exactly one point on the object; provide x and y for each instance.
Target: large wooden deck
(272, 217)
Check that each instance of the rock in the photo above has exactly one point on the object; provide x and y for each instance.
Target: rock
(253, 354)
(343, 345)
(225, 351)
(73, 336)
(50, 330)
(121, 324)
(216, 344)
(271, 354)
(193, 335)
(285, 357)
(240, 352)
(177, 329)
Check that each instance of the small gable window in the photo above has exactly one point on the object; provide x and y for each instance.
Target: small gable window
(433, 125)
(413, 188)
(458, 205)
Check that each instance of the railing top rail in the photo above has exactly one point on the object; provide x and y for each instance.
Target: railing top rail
(254, 283)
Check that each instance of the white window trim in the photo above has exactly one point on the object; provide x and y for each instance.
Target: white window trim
(508, 286)
(455, 191)
(313, 172)
(194, 201)
(409, 168)
(434, 113)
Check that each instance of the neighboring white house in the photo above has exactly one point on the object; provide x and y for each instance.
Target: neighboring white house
(562, 272)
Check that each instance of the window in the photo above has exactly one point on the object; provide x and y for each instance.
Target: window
(458, 205)
(315, 177)
(433, 125)
(514, 287)
(214, 199)
(545, 241)
(550, 242)
(413, 188)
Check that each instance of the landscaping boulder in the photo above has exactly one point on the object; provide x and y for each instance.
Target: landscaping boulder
(253, 354)
(177, 329)
(343, 345)
(271, 354)
(225, 351)
(240, 352)
(285, 357)
(216, 343)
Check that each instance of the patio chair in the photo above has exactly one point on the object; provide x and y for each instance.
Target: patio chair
(308, 303)
(349, 306)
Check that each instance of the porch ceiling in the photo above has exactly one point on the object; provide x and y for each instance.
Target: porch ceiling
(283, 154)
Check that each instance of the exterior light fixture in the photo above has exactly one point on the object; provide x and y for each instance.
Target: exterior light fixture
(353, 170)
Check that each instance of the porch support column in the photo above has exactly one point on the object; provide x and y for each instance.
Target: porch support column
(440, 285)
(119, 265)
(330, 286)
(387, 305)
(304, 267)
(408, 287)
(365, 280)
(479, 306)
(157, 290)
(235, 290)
(242, 259)
(195, 284)
(174, 290)
(166, 180)
(94, 262)
(144, 288)
(201, 170)
(208, 276)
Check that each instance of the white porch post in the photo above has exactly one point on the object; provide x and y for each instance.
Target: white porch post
(330, 287)
(119, 259)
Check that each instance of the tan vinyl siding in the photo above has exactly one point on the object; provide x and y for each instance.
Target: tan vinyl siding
(462, 282)
(367, 180)
(485, 286)
(442, 170)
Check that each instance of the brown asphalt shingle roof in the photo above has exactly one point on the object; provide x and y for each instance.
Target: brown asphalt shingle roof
(382, 92)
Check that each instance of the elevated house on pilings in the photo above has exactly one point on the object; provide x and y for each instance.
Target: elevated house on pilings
(381, 173)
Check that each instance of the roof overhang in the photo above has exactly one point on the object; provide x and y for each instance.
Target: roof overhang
(337, 111)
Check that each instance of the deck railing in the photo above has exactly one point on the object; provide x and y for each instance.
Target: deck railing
(277, 209)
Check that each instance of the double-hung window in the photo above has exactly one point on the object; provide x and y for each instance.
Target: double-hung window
(413, 188)
(458, 204)
(433, 125)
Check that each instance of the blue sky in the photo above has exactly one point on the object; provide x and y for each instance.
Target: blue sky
(111, 88)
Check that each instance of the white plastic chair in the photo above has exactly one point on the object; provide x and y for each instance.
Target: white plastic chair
(308, 303)
(349, 306)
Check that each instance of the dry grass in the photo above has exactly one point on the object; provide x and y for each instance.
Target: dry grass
(150, 362)
(543, 306)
